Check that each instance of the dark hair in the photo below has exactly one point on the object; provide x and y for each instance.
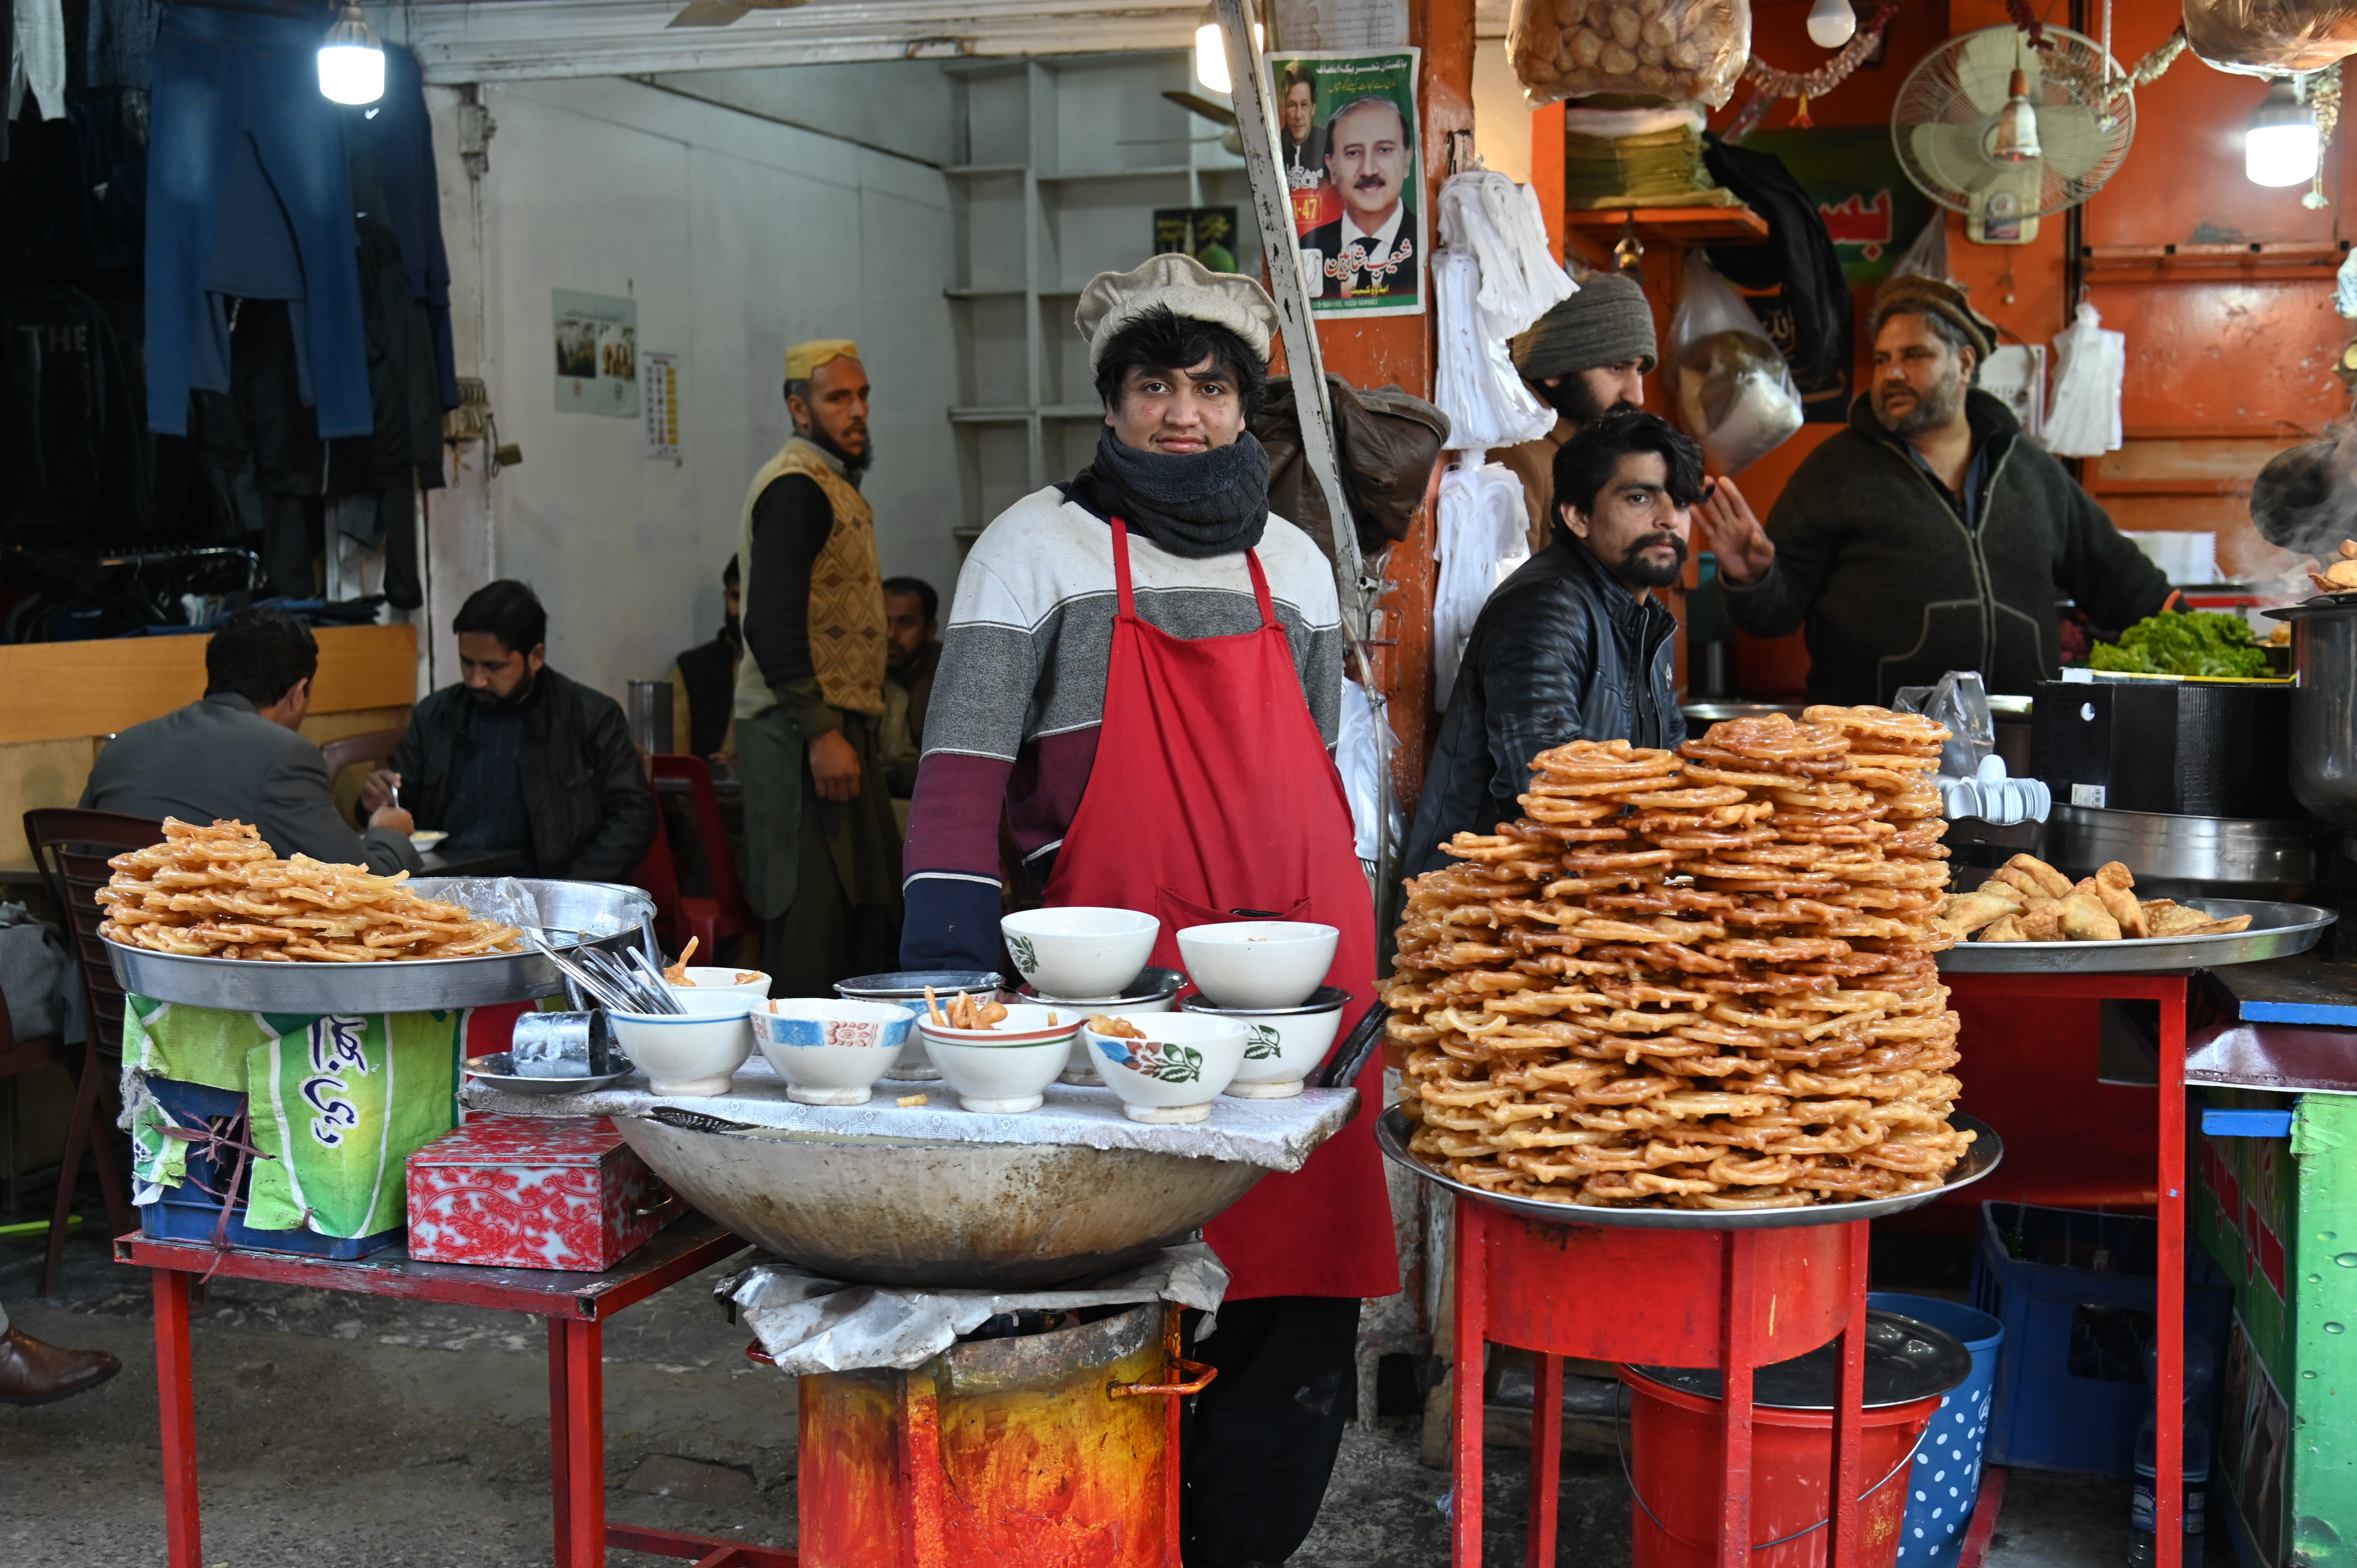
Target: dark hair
(729, 576)
(1939, 326)
(1159, 341)
(1586, 464)
(260, 654)
(927, 594)
(1377, 100)
(508, 610)
(1296, 75)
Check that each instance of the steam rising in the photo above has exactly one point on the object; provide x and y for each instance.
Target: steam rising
(2305, 499)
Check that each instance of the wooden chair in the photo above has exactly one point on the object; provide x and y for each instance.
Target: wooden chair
(72, 849)
(374, 747)
(725, 913)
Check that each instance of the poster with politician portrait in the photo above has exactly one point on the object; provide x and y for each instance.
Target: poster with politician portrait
(1347, 147)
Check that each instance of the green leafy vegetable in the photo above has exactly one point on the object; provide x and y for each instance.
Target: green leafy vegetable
(2202, 642)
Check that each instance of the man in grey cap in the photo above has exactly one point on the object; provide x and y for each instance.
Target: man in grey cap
(1586, 356)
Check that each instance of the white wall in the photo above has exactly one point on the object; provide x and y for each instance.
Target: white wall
(737, 236)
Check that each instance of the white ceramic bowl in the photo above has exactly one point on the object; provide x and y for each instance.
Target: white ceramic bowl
(999, 1079)
(906, 987)
(1282, 1046)
(725, 978)
(831, 1052)
(1154, 991)
(1079, 951)
(691, 1054)
(1026, 1024)
(1175, 1073)
(1258, 963)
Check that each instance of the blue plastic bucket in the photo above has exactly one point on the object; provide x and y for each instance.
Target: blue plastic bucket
(1946, 1475)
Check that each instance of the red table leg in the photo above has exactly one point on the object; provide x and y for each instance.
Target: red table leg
(582, 1503)
(1738, 1353)
(1849, 1406)
(560, 1448)
(177, 1395)
(1472, 1307)
(2169, 1395)
(1546, 1458)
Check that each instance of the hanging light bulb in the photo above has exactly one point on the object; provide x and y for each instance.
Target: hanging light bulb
(352, 60)
(2015, 139)
(1832, 24)
(1211, 51)
(2280, 149)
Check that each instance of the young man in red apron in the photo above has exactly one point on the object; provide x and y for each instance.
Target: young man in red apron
(1142, 671)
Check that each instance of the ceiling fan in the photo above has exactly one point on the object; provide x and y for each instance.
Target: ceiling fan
(720, 13)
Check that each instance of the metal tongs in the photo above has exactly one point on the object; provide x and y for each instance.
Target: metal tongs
(615, 986)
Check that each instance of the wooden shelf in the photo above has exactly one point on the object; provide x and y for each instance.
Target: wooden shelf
(2163, 264)
(1673, 225)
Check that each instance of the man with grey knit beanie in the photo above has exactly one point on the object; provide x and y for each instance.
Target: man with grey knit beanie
(1585, 358)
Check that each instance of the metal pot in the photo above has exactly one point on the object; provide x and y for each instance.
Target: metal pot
(897, 1212)
(2324, 708)
(2179, 857)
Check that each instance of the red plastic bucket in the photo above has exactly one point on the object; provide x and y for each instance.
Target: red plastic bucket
(1674, 1470)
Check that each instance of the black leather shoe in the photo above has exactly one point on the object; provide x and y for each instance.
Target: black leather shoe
(33, 1372)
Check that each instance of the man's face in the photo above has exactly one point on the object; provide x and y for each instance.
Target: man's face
(1178, 413)
(1636, 530)
(835, 415)
(1586, 396)
(1301, 108)
(1919, 380)
(496, 675)
(906, 629)
(1366, 157)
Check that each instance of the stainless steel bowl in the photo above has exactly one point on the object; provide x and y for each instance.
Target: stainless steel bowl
(2323, 710)
(906, 987)
(894, 1211)
(2179, 857)
(1702, 716)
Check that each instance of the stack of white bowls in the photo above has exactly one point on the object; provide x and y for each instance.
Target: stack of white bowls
(1092, 958)
(1267, 977)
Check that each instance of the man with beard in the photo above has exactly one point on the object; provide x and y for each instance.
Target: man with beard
(1154, 616)
(822, 846)
(517, 758)
(1589, 355)
(1300, 149)
(1576, 644)
(1929, 536)
(1371, 249)
(703, 682)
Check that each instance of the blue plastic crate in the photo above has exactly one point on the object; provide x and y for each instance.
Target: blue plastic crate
(2070, 1393)
(191, 1213)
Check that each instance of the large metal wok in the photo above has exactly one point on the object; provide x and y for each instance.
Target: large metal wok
(908, 1212)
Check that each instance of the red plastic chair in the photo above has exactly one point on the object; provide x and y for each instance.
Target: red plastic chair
(724, 914)
(657, 874)
(72, 849)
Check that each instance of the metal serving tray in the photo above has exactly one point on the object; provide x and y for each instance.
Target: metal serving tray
(2277, 930)
(1391, 1134)
(573, 914)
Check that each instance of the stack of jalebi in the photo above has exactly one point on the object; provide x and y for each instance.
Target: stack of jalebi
(1700, 980)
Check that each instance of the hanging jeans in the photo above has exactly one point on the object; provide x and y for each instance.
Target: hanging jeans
(221, 76)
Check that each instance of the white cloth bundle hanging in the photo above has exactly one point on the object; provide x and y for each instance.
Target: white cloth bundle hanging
(2083, 419)
(1483, 537)
(1476, 384)
(1499, 222)
(1360, 756)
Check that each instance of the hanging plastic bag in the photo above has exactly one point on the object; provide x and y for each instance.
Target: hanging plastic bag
(2092, 367)
(1959, 701)
(1475, 383)
(1361, 756)
(1657, 48)
(1927, 255)
(1484, 525)
(1734, 391)
(2271, 37)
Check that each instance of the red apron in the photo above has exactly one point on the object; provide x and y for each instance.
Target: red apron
(1213, 793)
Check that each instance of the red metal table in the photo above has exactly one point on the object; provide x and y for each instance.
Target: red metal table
(575, 1305)
(2173, 990)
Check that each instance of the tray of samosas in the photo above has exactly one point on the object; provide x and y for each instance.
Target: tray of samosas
(2028, 917)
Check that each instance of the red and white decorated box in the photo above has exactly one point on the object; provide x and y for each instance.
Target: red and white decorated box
(533, 1192)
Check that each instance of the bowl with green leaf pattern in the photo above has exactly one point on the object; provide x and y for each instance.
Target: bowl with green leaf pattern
(1282, 1046)
(1080, 952)
(1167, 1067)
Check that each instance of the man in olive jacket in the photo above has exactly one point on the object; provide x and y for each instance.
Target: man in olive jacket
(1930, 535)
(519, 757)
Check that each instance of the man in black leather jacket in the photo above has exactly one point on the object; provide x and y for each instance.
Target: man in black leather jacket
(1574, 646)
(517, 756)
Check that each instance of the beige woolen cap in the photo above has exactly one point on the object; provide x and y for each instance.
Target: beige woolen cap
(1189, 288)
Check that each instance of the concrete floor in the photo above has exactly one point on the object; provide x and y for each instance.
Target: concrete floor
(338, 1431)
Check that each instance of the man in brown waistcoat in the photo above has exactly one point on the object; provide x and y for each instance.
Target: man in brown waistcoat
(822, 848)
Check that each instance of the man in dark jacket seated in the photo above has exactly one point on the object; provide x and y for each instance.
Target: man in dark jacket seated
(1929, 536)
(518, 758)
(1575, 645)
(237, 754)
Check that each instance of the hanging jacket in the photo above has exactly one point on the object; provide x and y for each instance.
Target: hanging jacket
(1874, 559)
(72, 448)
(1794, 283)
(1563, 651)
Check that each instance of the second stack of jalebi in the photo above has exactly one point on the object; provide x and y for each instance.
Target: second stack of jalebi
(1701, 980)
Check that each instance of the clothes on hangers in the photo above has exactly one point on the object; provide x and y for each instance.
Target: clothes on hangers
(391, 144)
(37, 59)
(73, 452)
(118, 43)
